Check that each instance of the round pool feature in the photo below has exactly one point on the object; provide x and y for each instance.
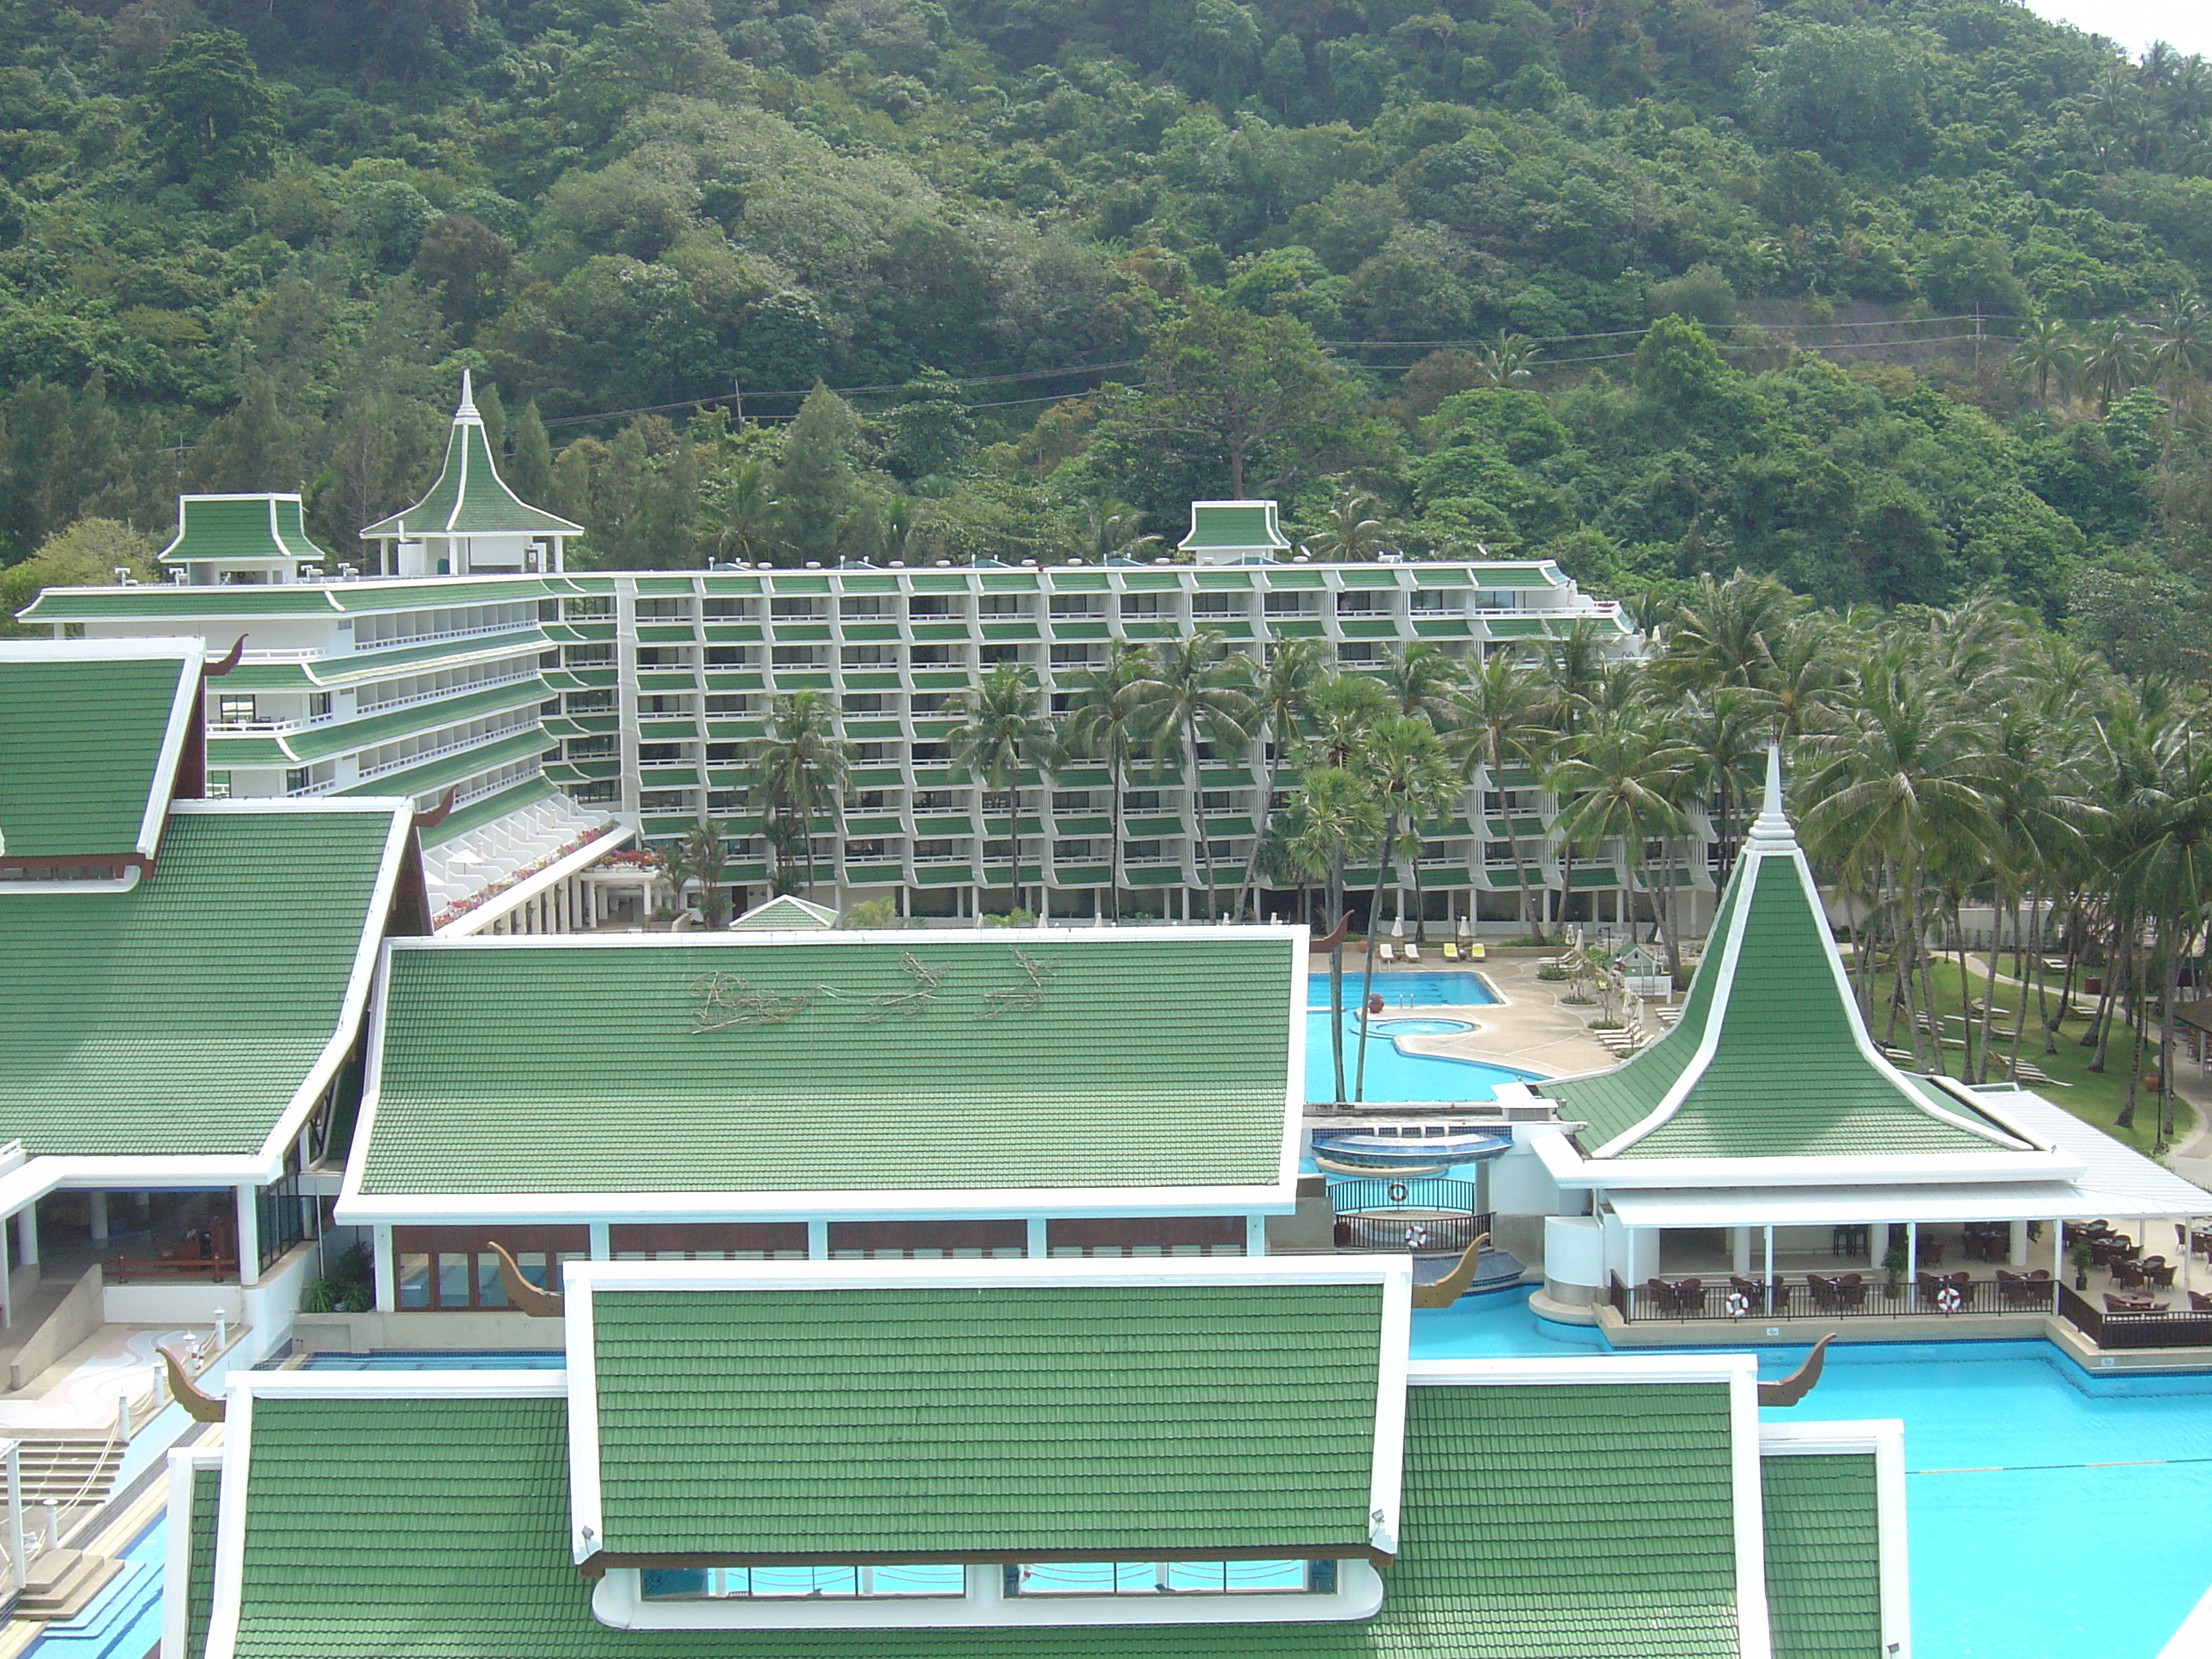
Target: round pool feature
(1419, 1025)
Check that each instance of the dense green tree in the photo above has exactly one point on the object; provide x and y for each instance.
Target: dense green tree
(212, 117)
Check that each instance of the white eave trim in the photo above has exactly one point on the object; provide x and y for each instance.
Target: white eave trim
(1569, 1169)
(537, 882)
(1884, 1439)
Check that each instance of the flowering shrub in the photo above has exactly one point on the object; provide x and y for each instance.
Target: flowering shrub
(490, 890)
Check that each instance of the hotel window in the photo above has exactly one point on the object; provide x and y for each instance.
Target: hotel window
(991, 655)
(650, 754)
(1498, 852)
(813, 1583)
(729, 705)
(590, 748)
(1362, 604)
(724, 610)
(589, 703)
(1218, 801)
(1141, 800)
(799, 656)
(664, 610)
(1363, 652)
(935, 656)
(730, 656)
(1147, 605)
(1073, 851)
(596, 609)
(1433, 601)
(936, 604)
(1217, 604)
(939, 800)
(1141, 851)
(729, 800)
(587, 656)
(871, 800)
(664, 703)
(218, 786)
(664, 800)
(856, 704)
(863, 604)
(795, 609)
(1004, 604)
(939, 852)
(725, 752)
(868, 656)
(1078, 656)
(875, 754)
(933, 702)
(1293, 604)
(1071, 801)
(234, 710)
(595, 791)
(859, 851)
(1075, 604)
(664, 656)
(932, 754)
(319, 705)
(451, 1269)
(1172, 1578)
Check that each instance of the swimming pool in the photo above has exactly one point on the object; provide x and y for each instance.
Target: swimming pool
(1397, 990)
(1419, 1025)
(1392, 1072)
(2051, 1514)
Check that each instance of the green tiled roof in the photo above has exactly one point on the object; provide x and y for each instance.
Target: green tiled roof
(1233, 525)
(1119, 1422)
(237, 528)
(447, 591)
(1790, 1072)
(171, 601)
(360, 667)
(937, 1062)
(86, 758)
(181, 1018)
(786, 910)
(1589, 1522)
(477, 813)
(451, 769)
(1823, 1556)
(470, 497)
(199, 1591)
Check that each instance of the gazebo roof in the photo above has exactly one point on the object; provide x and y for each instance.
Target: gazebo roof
(787, 911)
(1771, 1058)
(470, 498)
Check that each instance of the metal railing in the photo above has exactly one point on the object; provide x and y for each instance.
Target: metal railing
(2154, 1329)
(1820, 1296)
(1421, 1213)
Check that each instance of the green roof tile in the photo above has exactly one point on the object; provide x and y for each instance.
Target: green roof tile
(1134, 1422)
(88, 749)
(227, 528)
(470, 497)
(937, 1062)
(170, 601)
(199, 1591)
(452, 769)
(1234, 525)
(1823, 1556)
(181, 1018)
(1790, 1071)
(1584, 1522)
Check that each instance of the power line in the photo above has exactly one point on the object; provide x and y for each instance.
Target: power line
(857, 390)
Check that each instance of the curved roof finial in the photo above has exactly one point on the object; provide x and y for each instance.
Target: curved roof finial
(467, 411)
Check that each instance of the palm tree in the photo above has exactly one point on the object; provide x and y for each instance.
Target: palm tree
(1724, 633)
(1193, 691)
(1003, 733)
(2113, 360)
(1498, 723)
(1626, 776)
(1336, 810)
(1109, 529)
(1508, 361)
(1405, 767)
(1419, 678)
(1350, 533)
(1574, 664)
(704, 856)
(799, 771)
(1105, 718)
(1725, 731)
(2045, 353)
(1279, 690)
(747, 506)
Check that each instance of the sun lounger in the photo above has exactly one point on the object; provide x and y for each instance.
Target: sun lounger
(1388, 954)
(1478, 951)
(1451, 951)
(1413, 953)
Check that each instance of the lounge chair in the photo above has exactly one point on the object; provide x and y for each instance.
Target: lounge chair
(1388, 954)
(1451, 951)
(1478, 951)
(1412, 951)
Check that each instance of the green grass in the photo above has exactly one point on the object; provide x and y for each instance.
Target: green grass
(2095, 1098)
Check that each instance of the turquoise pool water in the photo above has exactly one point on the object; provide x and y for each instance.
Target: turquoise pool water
(2022, 1547)
(1392, 1073)
(1419, 1025)
(124, 1621)
(1397, 990)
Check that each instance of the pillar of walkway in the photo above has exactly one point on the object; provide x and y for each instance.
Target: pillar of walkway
(2016, 1246)
(249, 1234)
(1740, 1251)
(27, 1235)
(95, 1204)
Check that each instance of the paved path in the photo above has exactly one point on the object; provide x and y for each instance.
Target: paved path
(1531, 1029)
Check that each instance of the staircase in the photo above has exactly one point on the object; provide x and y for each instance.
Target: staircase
(70, 1470)
(61, 1583)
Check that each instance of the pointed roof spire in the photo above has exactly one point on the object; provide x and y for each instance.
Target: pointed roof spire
(1771, 1058)
(470, 498)
(1772, 828)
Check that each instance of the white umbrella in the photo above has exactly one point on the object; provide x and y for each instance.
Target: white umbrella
(1464, 929)
(1398, 926)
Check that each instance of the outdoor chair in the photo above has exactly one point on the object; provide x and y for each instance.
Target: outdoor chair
(1828, 1295)
(1389, 955)
(1852, 1290)
(1413, 953)
(2159, 1272)
(2016, 1291)
(1689, 1296)
(1451, 951)
(2127, 1275)
(2200, 1302)
(1478, 952)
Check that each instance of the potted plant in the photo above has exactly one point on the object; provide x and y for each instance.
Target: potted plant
(1894, 1264)
(2083, 1258)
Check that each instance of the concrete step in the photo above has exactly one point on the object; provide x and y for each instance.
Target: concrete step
(68, 1469)
(62, 1583)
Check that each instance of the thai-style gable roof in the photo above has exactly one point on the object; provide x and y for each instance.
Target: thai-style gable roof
(470, 498)
(229, 529)
(787, 911)
(1771, 1057)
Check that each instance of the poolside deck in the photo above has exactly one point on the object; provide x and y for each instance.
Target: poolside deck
(1533, 1029)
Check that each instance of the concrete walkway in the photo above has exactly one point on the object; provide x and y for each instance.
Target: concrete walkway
(1532, 1029)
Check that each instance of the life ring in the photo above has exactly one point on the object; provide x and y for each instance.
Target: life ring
(1375, 1002)
(1415, 1236)
(1949, 1300)
(1397, 1191)
(1739, 1304)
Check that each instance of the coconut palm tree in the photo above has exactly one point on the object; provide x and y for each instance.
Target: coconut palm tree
(1419, 678)
(1105, 723)
(704, 857)
(1279, 689)
(1497, 724)
(1194, 692)
(798, 772)
(1405, 767)
(1336, 811)
(1622, 783)
(2045, 355)
(1350, 532)
(2113, 360)
(1003, 732)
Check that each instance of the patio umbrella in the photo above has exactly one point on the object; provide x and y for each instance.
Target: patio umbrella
(1398, 926)
(1464, 928)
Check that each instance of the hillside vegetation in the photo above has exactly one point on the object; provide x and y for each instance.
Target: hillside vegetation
(1926, 276)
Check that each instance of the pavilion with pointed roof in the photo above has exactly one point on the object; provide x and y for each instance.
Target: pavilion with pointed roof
(1769, 1130)
(471, 524)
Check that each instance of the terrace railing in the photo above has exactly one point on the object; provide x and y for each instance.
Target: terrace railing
(1423, 1214)
(1727, 1299)
(2158, 1329)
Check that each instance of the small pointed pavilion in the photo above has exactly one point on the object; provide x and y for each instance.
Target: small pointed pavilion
(1770, 1114)
(471, 524)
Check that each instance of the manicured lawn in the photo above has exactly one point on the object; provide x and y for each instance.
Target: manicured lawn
(2094, 1098)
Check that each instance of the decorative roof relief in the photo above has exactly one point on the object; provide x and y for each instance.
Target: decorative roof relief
(96, 737)
(1771, 1058)
(470, 498)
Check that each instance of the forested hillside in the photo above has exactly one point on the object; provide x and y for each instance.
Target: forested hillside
(1933, 265)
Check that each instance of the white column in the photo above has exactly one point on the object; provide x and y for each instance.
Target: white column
(2016, 1246)
(249, 1235)
(1035, 1246)
(818, 1241)
(1740, 1251)
(602, 1248)
(387, 1268)
(7, 1300)
(1770, 1253)
(95, 1204)
(1911, 1250)
(27, 1235)
(1255, 1235)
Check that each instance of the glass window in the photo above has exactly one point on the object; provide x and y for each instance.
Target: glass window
(414, 1281)
(234, 710)
(218, 786)
(1172, 1578)
(491, 1292)
(717, 1583)
(453, 1281)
